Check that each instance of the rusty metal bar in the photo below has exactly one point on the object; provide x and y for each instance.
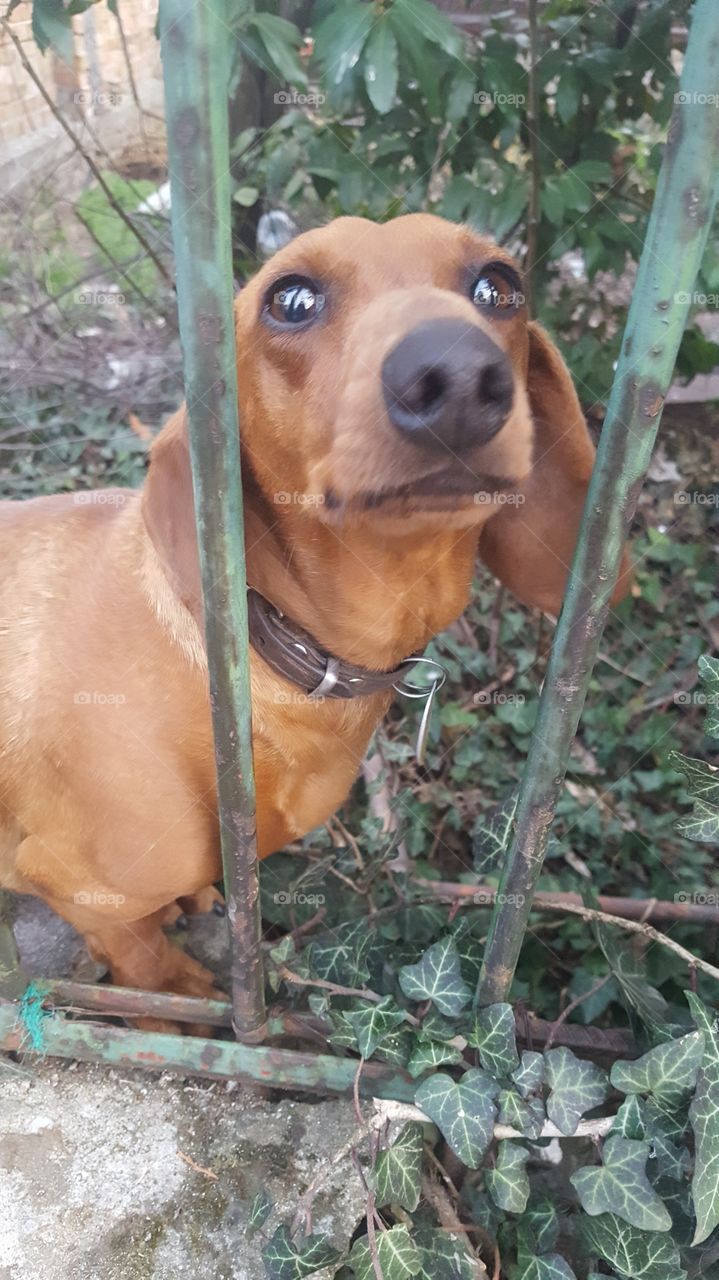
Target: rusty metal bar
(214, 1059)
(195, 58)
(676, 237)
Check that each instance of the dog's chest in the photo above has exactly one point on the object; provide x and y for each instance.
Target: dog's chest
(307, 755)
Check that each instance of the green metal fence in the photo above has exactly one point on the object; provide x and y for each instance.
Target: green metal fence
(196, 66)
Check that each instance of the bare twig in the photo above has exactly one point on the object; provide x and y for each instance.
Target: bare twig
(574, 1004)
(392, 1110)
(644, 930)
(436, 1195)
(198, 1168)
(629, 908)
(363, 993)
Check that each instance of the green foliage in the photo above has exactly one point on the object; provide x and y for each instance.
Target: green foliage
(508, 1182)
(396, 1252)
(494, 1035)
(406, 113)
(464, 1111)
(575, 1088)
(285, 1260)
(634, 1254)
(669, 1071)
(108, 228)
(398, 1171)
(622, 1187)
(437, 977)
(702, 779)
(704, 1114)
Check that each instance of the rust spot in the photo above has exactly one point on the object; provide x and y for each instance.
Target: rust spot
(650, 401)
(209, 1056)
(209, 327)
(153, 1059)
(187, 126)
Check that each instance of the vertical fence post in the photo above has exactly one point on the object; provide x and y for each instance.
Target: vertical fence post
(196, 47)
(678, 228)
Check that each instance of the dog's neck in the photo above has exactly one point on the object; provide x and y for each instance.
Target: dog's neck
(371, 592)
(367, 595)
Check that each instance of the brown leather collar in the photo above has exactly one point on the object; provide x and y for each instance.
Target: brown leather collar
(291, 652)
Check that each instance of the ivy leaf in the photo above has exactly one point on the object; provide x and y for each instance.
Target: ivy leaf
(397, 1253)
(444, 1257)
(342, 1035)
(549, 1267)
(671, 1161)
(491, 832)
(529, 1075)
(343, 959)
(665, 1122)
(542, 1219)
(702, 779)
(463, 1111)
(430, 1054)
(629, 1120)
(260, 1210)
(634, 1254)
(628, 969)
(576, 1087)
(398, 1171)
(669, 1071)
(709, 676)
(396, 1048)
(437, 977)
(508, 1183)
(702, 825)
(285, 1262)
(525, 1115)
(495, 1036)
(380, 66)
(704, 1116)
(622, 1187)
(372, 1023)
(470, 949)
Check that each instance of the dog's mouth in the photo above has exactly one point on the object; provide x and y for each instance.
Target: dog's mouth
(446, 490)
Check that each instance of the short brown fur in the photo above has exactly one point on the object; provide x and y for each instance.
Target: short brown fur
(107, 792)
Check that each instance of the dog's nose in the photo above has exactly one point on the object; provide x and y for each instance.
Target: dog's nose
(447, 385)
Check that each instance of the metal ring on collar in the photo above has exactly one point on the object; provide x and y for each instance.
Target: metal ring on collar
(409, 690)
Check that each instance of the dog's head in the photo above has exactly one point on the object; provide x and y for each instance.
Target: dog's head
(388, 376)
(383, 370)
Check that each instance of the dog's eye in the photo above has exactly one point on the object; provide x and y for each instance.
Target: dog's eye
(496, 287)
(294, 301)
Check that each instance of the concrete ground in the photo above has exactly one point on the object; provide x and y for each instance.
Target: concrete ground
(129, 1176)
(121, 1175)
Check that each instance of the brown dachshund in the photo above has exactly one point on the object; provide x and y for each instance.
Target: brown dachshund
(398, 411)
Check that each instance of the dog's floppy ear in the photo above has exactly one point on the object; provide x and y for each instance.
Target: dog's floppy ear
(168, 509)
(529, 545)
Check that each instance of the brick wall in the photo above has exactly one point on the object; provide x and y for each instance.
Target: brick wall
(96, 87)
